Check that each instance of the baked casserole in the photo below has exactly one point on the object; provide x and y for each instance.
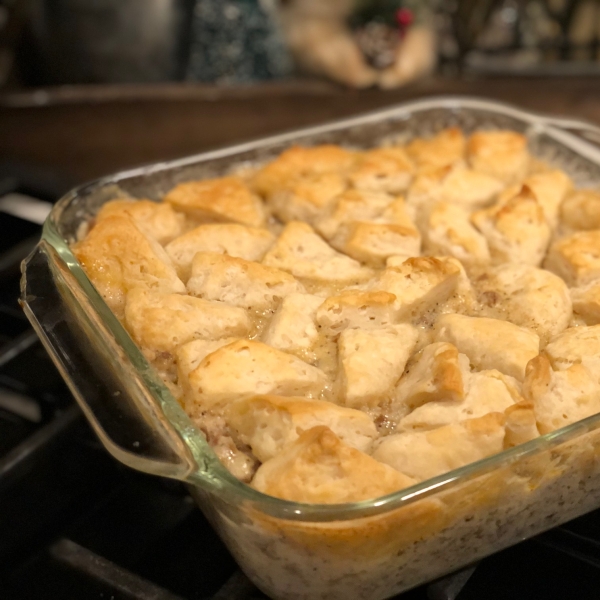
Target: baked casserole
(343, 323)
(375, 548)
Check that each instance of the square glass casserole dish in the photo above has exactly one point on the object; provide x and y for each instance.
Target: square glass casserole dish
(366, 550)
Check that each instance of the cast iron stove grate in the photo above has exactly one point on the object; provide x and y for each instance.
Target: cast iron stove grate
(74, 523)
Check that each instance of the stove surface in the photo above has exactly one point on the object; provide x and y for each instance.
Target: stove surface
(77, 524)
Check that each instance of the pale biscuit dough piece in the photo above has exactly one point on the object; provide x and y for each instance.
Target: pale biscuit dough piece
(239, 282)
(247, 367)
(550, 189)
(351, 206)
(302, 182)
(188, 357)
(446, 148)
(586, 303)
(157, 219)
(581, 210)
(449, 231)
(373, 242)
(117, 257)
(370, 227)
(490, 343)
(268, 424)
(574, 346)
(521, 424)
(488, 392)
(356, 309)
(463, 286)
(502, 154)
(576, 258)
(525, 296)
(306, 198)
(382, 170)
(319, 468)
(300, 161)
(516, 231)
(458, 185)
(162, 322)
(468, 188)
(372, 362)
(561, 397)
(223, 199)
(249, 243)
(293, 327)
(420, 283)
(425, 454)
(436, 373)
(304, 254)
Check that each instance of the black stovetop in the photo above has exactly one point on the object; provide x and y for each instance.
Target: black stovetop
(74, 523)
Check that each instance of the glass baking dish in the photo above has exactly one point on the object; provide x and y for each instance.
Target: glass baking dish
(366, 550)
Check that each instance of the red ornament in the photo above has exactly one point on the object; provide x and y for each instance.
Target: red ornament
(404, 18)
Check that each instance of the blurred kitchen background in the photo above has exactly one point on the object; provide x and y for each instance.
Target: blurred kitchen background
(91, 86)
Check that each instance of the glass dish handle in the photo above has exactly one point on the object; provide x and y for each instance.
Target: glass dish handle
(117, 404)
(581, 128)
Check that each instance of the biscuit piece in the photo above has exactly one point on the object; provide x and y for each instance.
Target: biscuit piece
(361, 310)
(373, 242)
(249, 243)
(304, 254)
(516, 231)
(502, 154)
(157, 219)
(218, 200)
(302, 182)
(372, 362)
(300, 161)
(319, 468)
(247, 368)
(382, 170)
(270, 423)
(352, 206)
(420, 283)
(586, 303)
(370, 227)
(490, 343)
(449, 231)
(306, 198)
(117, 257)
(239, 282)
(550, 189)
(162, 322)
(561, 397)
(576, 258)
(521, 424)
(581, 210)
(576, 345)
(188, 357)
(488, 392)
(525, 296)
(459, 185)
(436, 373)
(425, 454)
(445, 148)
(293, 327)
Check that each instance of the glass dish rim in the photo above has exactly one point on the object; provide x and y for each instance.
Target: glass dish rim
(209, 473)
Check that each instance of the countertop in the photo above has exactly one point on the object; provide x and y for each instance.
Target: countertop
(86, 132)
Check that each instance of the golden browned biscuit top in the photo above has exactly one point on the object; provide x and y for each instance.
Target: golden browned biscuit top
(342, 323)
